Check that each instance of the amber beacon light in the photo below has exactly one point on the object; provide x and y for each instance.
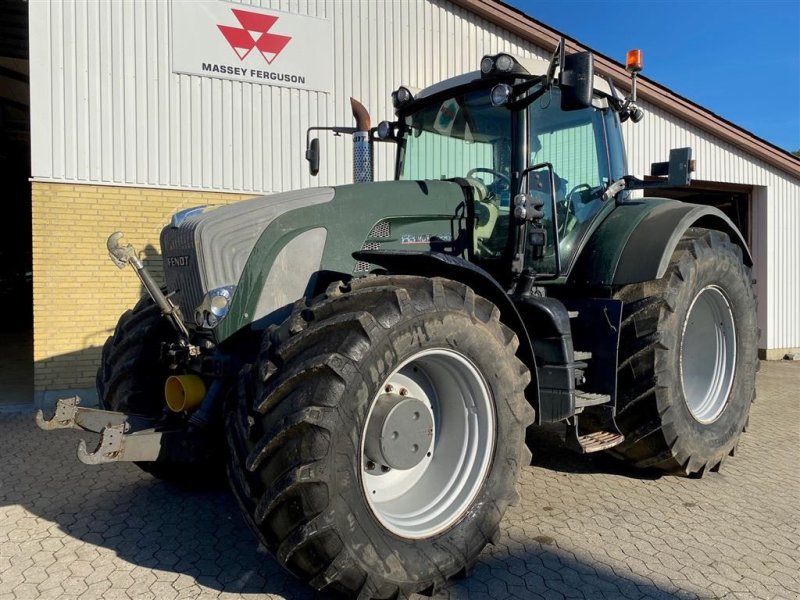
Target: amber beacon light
(633, 63)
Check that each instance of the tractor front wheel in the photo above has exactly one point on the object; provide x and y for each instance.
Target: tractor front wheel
(131, 379)
(377, 442)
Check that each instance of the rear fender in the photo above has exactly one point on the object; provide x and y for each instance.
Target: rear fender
(636, 241)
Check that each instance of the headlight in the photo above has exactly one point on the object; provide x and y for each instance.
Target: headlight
(501, 93)
(487, 64)
(214, 307)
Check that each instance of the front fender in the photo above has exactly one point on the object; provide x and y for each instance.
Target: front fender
(636, 241)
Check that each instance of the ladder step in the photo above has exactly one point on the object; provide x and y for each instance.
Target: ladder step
(599, 440)
(584, 399)
(579, 355)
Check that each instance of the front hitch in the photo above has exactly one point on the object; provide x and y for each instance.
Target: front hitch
(123, 255)
(124, 437)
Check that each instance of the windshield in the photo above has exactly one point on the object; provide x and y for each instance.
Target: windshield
(465, 136)
(462, 136)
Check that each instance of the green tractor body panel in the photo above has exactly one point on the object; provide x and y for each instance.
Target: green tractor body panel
(308, 240)
(635, 241)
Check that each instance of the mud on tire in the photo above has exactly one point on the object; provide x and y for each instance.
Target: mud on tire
(295, 456)
(665, 426)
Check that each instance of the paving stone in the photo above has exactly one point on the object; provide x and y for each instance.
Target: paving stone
(586, 526)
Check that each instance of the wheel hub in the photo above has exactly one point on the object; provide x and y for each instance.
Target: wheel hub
(399, 432)
(428, 488)
(708, 354)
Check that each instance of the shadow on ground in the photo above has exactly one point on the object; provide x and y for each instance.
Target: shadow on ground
(199, 533)
(546, 443)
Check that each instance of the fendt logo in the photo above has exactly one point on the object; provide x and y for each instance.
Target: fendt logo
(254, 33)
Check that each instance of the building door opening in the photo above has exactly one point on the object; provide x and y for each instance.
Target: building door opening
(16, 297)
(731, 199)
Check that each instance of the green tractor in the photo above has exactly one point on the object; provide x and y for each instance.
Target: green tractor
(365, 360)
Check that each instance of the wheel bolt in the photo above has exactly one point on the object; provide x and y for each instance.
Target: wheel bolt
(385, 469)
(389, 388)
(403, 392)
(370, 466)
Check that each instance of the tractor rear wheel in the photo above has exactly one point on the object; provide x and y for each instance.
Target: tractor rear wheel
(688, 358)
(377, 442)
(131, 380)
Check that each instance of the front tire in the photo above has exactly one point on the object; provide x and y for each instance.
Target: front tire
(688, 358)
(131, 380)
(301, 467)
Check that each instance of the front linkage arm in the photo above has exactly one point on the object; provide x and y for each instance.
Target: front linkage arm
(124, 255)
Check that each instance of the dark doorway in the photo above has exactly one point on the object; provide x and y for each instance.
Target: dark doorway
(16, 294)
(731, 199)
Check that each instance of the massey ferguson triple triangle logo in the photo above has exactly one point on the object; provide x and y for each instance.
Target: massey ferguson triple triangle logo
(254, 33)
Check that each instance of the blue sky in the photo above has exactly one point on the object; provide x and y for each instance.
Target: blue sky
(740, 59)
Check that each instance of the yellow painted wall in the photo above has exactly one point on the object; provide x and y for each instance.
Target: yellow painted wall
(78, 293)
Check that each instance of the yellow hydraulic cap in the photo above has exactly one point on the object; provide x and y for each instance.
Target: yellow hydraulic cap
(184, 392)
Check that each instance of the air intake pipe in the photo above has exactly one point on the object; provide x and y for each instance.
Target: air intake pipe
(363, 169)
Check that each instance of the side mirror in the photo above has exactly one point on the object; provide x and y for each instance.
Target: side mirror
(312, 156)
(680, 166)
(577, 81)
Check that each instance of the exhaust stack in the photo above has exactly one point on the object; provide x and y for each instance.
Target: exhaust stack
(363, 169)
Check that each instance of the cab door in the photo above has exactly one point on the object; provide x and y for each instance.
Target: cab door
(573, 146)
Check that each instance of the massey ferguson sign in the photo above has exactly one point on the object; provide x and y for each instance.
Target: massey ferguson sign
(239, 42)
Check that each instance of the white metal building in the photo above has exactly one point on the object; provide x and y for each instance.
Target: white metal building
(122, 134)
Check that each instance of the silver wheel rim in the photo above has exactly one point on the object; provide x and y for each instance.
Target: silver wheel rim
(708, 354)
(433, 495)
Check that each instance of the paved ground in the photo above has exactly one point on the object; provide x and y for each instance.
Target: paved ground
(585, 528)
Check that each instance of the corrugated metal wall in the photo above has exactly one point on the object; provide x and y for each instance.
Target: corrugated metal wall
(106, 108)
(775, 212)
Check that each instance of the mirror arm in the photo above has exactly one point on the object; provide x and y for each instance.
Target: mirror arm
(527, 100)
(335, 130)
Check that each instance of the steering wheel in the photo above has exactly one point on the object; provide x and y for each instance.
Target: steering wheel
(569, 223)
(577, 188)
(497, 174)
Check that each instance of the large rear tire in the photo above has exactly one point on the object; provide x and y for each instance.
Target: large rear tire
(302, 446)
(131, 379)
(688, 358)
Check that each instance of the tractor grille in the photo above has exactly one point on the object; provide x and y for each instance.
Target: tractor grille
(381, 229)
(365, 267)
(181, 268)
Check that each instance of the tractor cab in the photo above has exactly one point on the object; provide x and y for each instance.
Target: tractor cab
(538, 151)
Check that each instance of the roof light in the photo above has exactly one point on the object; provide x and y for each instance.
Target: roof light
(501, 65)
(633, 62)
(401, 96)
(504, 63)
(501, 93)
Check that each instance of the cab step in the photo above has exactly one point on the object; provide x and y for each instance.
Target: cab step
(595, 441)
(584, 399)
(599, 440)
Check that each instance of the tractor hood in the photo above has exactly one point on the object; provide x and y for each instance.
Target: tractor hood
(263, 254)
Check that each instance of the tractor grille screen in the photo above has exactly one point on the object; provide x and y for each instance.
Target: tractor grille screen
(181, 270)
